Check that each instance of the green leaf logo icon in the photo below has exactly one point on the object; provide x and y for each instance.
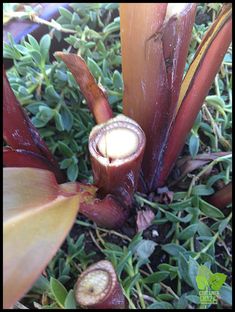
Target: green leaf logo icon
(202, 282)
(217, 280)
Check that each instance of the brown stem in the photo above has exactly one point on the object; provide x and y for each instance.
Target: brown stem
(94, 95)
(116, 165)
(221, 198)
(116, 149)
(155, 39)
(106, 212)
(98, 288)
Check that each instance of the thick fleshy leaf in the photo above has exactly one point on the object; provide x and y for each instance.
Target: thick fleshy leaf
(37, 215)
(106, 212)
(155, 39)
(196, 85)
(18, 130)
(23, 158)
(94, 95)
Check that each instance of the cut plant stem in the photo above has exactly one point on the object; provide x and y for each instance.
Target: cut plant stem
(99, 288)
(118, 143)
(116, 149)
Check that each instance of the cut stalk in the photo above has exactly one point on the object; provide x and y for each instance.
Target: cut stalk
(94, 95)
(196, 85)
(116, 149)
(99, 288)
(155, 39)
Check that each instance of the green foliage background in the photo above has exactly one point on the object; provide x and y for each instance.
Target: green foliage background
(198, 232)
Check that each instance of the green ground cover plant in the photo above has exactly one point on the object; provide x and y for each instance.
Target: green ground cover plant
(157, 267)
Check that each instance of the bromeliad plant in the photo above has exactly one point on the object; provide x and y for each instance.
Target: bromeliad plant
(161, 110)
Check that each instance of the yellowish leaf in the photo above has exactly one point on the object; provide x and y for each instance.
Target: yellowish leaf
(38, 215)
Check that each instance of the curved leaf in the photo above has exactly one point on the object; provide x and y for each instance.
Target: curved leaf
(38, 215)
(196, 85)
(94, 95)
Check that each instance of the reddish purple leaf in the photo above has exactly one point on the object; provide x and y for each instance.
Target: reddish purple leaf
(18, 130)
(23, 158)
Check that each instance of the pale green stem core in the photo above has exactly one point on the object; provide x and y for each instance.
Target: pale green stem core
(118, 143)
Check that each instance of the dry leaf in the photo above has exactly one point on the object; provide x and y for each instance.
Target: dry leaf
(144, 219)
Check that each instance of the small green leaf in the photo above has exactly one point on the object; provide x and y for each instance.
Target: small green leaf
(72, 172)
(205, 271)
(45, 44)
(36, 56)
(65, 163)
(183, 268)
(45, 113)
(123, 262)
(156, 289)
(166, 297)
(210, 210)
(202, 282)
(64, 149)
(188, 232)
(182, 303)
(58, 290)
(173, 249)
(167, 267)
(70, 302)
(193, 145)
(160, 305)
(22, 49)
(145, 248)
(59, 122)
(67, 117)
(34, 43)
(226, 294)
(193, 267)
(94, 68)
(38, 123)
(217, 280)
(202, 190)
(156, 277)
(66, 13)
(41, 285)
(51, 93)
(193, 298)
(131, 281)
(203, 229)
(197, 122)
(223, 225)
(117, 80)
(61, 75)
